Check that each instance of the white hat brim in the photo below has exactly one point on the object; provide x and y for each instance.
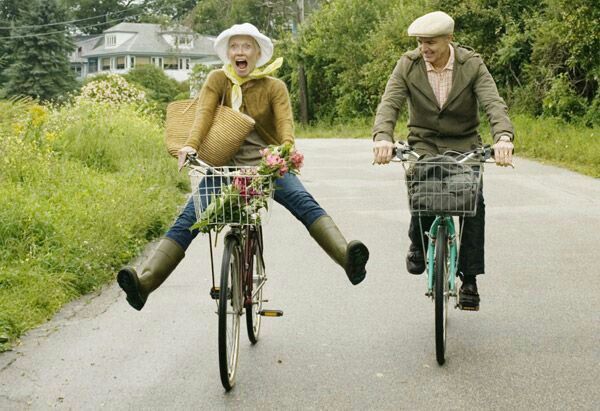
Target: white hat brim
(222, 42)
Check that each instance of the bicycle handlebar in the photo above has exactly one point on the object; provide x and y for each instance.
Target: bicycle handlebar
(403, 152)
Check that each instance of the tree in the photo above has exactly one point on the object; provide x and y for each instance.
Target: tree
(95, 16)
(270, 17)
(39, 62)
(9, 12)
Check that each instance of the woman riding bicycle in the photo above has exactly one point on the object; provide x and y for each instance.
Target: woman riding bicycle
(242, 86)
(444, 85)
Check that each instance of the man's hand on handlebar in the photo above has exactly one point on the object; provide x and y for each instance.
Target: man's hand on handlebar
(503, 153)
(182, 154)
(382, 152)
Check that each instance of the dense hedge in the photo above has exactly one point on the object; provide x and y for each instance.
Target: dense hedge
(543, 54)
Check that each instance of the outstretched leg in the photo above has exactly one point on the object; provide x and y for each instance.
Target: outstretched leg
(352, 257)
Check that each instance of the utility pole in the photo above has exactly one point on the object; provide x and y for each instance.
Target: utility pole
(302, 87)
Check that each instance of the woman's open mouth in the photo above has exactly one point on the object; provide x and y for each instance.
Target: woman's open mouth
(241, 64)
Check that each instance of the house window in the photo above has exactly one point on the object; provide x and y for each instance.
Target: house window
(183, 41)
(105, 63)
(111, 40)
(184, 64)
(170, 63)
(142, 61)
(157, 61)
(131, 61)
(93, 65)
(120, 63)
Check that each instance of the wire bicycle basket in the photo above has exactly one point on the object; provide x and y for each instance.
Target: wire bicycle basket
(441, 185)
(230, 196)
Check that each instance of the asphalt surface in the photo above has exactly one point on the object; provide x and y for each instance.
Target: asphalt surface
(533, 345)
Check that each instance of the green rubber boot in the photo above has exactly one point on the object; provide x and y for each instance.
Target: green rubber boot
(154, 272)
(352, 256)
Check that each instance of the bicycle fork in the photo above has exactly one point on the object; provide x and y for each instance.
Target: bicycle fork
(452, 254)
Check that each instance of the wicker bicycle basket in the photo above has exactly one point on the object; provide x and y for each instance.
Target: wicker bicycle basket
(442, 186)
(231, 195)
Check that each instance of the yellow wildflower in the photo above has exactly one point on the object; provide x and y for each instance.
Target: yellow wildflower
(17, 128)
(39, 114)
(50, 136)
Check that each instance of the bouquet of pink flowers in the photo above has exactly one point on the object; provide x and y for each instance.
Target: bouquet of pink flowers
(249, 189)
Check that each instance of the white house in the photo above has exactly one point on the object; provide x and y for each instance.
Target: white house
(120, 48)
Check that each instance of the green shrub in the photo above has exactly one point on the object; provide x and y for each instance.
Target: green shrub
(562, 101)
(160, 87)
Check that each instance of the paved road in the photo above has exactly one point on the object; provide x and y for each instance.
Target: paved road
(533, 345)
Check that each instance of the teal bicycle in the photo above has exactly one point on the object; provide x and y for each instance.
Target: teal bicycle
(443, 187)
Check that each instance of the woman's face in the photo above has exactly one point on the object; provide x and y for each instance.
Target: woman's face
(243, 53)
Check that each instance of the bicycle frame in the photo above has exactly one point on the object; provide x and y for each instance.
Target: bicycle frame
(248, 238)
(253, 238)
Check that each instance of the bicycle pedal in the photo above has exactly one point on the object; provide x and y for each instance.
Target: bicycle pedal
(214, 293)
(271, 313)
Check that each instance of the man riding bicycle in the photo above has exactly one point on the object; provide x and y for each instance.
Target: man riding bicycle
(443, 84)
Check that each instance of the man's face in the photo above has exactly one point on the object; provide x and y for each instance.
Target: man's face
(243, 54)
(435, 49)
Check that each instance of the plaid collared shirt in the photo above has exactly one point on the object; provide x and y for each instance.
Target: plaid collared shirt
(441, 81)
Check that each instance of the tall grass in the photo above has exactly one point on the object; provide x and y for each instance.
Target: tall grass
(82, 189)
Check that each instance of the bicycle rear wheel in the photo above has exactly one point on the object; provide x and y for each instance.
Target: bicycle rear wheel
(230, 310)
(441, 294)
(253, 318)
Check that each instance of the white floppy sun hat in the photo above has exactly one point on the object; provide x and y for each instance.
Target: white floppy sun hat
(245, 29)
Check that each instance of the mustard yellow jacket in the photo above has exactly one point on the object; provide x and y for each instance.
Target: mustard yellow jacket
(266, 100)
(457, 121)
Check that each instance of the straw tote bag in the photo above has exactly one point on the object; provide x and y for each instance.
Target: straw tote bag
(228, 131)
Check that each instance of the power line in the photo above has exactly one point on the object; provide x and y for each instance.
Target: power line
(148, 3)
(73, 21)
(50, 33)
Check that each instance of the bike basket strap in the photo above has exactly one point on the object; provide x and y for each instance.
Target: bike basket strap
(230, 195)
(441, 185)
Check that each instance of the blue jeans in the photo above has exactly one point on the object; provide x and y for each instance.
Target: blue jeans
(289, 192)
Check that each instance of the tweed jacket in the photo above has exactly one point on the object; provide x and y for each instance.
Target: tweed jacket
(266, 100)
(455, 124)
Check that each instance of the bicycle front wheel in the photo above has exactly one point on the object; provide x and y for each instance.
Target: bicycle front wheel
(253, 318)
(441, 293)
(230, 310)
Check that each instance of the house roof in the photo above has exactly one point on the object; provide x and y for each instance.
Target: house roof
(148, 39)
(83, 44)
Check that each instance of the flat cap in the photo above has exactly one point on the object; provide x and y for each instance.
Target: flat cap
(432, 24)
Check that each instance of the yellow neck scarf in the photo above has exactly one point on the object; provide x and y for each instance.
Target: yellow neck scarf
(236, 90)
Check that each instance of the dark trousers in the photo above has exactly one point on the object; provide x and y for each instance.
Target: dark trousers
(471, 258)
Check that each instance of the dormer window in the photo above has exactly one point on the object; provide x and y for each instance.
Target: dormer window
(182, 40)
(111, 40)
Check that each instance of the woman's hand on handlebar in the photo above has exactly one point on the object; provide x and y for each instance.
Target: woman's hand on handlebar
(503, 153)
(182, 154)
(382, 151)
